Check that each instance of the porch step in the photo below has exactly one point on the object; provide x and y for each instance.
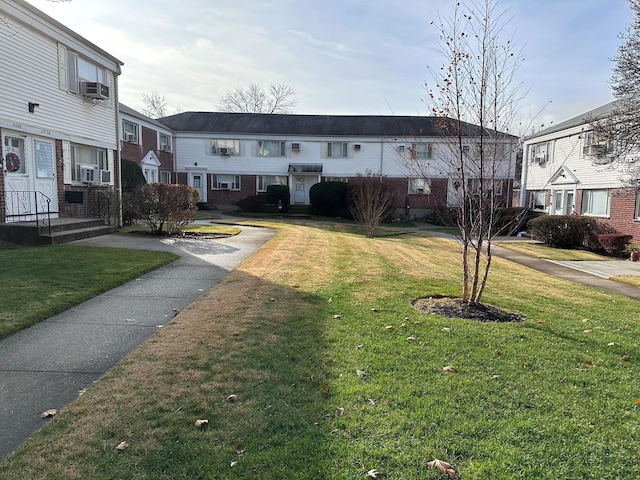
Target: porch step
(299, 211)
(62, 230)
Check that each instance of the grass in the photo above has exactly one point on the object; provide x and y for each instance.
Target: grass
(286, 332)
(39, 282)
(222, 230)
(633, 280)
(539, 250)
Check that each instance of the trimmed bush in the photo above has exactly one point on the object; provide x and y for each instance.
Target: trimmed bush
(329, 198)
(161, 205)
(614, 243)
(278, 195)
(253, 204)
(132, 176)
(562, 231)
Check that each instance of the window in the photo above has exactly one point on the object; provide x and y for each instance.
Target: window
(165, 176)
(336, 179)
(265, 180)
(129, 131)
(538, 200)
(225, 182)
(14, 155)
(151, 175)
(337, 149)
(421, 150)
(271, 148)
(225, 147)
(490, 186)
(595, 146)
(596, 202)
(81, 70)
(419, 186)
(82, 155)
(538, 153)
(164, 142)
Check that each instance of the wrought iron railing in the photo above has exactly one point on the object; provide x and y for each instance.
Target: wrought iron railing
(29, 206)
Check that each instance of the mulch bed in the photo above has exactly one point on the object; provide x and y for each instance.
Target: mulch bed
(455, 308)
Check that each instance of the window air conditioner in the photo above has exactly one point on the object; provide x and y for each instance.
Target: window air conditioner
(88, 173)
(357, 146)
(165, 148)
(224, 151)
(596, 149)
(130, 137)
(224, 186)
(401, 148)
(104, 176)
(540, 158)
(295, 147)
(94, 90)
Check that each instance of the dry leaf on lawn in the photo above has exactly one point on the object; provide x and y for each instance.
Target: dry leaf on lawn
(624, 358)
(411, 338)
(361, 373)
(613, 344)
(49, 413)
(122, 445)
(233, 464)
(373, 473)
(201, 423)
(337, 317)
(340, 411)
(443, 467)
(448, 368)
(446, 330)
(388, 328)
(232, 398)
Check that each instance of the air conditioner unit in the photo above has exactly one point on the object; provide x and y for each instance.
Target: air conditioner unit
(357, 146)
(95, 90)
(224, 151)
(295, 147)
(104, 176)
(540, 158)
(165, 148)
(596, 149)
(401, 148)
(224, 186)
(130, 137)
(88, 173)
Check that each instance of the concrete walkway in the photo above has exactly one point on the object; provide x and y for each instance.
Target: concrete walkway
(48, 365)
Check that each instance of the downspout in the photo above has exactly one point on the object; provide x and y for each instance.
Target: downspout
(118, 157)
(523, 177)
(381, 156)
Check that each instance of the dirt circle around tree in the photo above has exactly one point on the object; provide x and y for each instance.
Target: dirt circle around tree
(452, 307)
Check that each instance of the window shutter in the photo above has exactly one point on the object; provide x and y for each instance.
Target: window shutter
(110, 164)
(62, 67)
(66, 161)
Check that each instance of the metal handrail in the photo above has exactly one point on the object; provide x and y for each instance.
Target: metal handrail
(28, 205)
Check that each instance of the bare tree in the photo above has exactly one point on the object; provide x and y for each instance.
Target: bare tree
(616, 133)
(476, 98)
(371, 200)
(280, 98)
(155, 105)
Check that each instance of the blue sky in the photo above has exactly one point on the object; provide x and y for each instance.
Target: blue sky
(342, 56)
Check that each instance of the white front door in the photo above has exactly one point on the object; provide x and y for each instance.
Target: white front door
(301, 186)
(30, 179)
(198, 182)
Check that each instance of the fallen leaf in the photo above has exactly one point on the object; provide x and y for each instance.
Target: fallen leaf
(590, 363)
(201, 423)
(585, 320)
(446, 330)
(373, 473)
(411, 338)
(49, 413)
(404, 325)
(388, 328)
(232, 398)
(340, 411)
(496, 377)
(330, 300)
(406, 319)
(233, 464)
(122, 445)
(448, 368)
(325, 389)
(496, 353)
(587, 331)
(540, 321)
(361, 373)
(637, 402)
(337, 317)
(272, 299)
(241, 453)
(359, 346)
(443, 467)
(624, 358)
(372, 401)
(613, 344)
(375, 310)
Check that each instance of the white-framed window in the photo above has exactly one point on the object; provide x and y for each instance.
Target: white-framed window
(150, 174)
(490, 186)
(596, 202)
(129, 131)
(165, 176)
(539, 152)
(164, 142)
(14, 161)
(225, 182)
(336, 179)
(81, 70)
(271, 148)
(84, 155)
(594, 146)
(337, 149)
(538, 200)
(265, 180)
(224, 147)
(637, 213)
(422, 150)
(419, 186)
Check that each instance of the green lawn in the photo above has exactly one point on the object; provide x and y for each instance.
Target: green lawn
(38, 282)
(539, 250)
(337, 375)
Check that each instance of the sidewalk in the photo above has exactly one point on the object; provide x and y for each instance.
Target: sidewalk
(48, 365)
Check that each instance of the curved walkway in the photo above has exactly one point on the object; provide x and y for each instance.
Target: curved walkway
(48, 365)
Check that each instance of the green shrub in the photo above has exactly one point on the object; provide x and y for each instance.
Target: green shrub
(253, 204)
(132, 176)
(329, 198)
(278, 195)
(563, 231)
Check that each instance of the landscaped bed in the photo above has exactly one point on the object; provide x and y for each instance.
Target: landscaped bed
(310, 361)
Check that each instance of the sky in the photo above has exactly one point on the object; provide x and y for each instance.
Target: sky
(343, 57)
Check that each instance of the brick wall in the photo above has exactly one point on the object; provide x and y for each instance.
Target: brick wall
(622, 213)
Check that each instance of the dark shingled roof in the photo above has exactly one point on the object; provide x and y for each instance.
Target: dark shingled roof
(317, 125)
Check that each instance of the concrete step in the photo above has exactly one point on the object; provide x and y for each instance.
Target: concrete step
(57, 238)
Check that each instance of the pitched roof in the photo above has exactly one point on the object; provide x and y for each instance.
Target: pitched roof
(320, 125)
(582, 119)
